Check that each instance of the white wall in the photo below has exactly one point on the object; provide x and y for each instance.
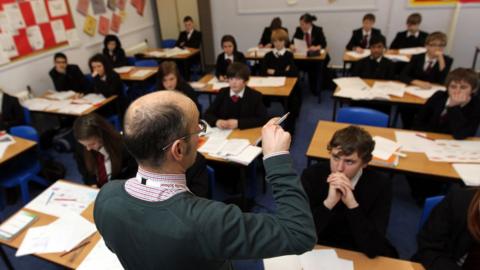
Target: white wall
(34, 70)
(337, 25)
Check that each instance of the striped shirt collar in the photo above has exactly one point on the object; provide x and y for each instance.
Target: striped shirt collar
(154, 187)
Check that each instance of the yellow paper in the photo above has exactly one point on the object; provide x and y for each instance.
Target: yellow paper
(123, 15)
(90, 25)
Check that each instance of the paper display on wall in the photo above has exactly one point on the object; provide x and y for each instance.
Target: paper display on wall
(14, 15)
(58, 29)
(5, 26)
(103, 25)
(39, 11)
(7, 45)
(121, 4)
(35, 37)
(112, 4)
(72, 37)
(98, 7)
(82, 7)
(57, 8)
(90, 25)
(116, 21)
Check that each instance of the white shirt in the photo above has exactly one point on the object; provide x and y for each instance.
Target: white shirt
(409, 34)
(240, 94)
(279, 52)
(190, 34)
(108, 162)
(427, 62)
(356, 178)
(378, 59)
(365, 33)
(228, 57)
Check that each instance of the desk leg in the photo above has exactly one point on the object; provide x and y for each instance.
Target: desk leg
(5, 259)
(334, 113)
(344, 71)
(395, 117)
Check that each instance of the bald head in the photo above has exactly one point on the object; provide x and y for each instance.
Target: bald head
(155, 120)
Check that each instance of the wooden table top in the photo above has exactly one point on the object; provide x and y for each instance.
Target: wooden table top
(21, 145)
(349, 58)
(127, 76)
(71, 260)
(406, 99)
(281, 91)
(92, 108)
(362, 262)
(192, 53)
(413, 163)
(296, 57)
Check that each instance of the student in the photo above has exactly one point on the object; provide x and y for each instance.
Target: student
(375, 66)
(169, 79)
(350, 203)
(237, 106)
(189, 38)
(450, 238)
(106, 82)
(315, 39)
(67, 76)
(113, 51)
(426, 69)
(361, 37)
(455, 111)
(11, 113)
(101, 155)
(280, 62)
(153, 222)
(230, 55)
(265, 40)
(413, 36)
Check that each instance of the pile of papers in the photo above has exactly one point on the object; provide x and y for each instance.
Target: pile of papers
(5, 141)
(216, 84)
(168, 52)
(266, 81)
(412, 51)
(389, 87)
(260, 52)
(385, 151)
(325, 259)
(355, 88)
(125, 69)
(141, 73)
(357, 55)
(64, 95)
(416, 142)
(69, 106)
(424, 93)
(397, 57)
(100, 257)
(59, 236)
(455, 151)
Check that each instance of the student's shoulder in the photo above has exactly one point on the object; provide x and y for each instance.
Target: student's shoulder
(401, 34)
(357, 31)
(422, 34)
(376, 31)
(252, 92)
(224, 91)
(376, 178)
(110, 190)
(316, 171)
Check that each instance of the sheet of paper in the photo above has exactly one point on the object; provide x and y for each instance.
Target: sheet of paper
(116, 21)
(156, 54)
(16, 223)
(455, 151)
(213, 145)
(82, 7)
(288, 262)
(90, 25)
(58, 29)
(35, 37)
(234, 147)
(61, 198)
(216, 84)
(124, 69)
(390, 87)
(94, 98)
(14, 16)
(300, 46)
(411, 51)
(5, 141)
(103, 25)
(397, 57)
(318, 259)
(75, 108)
(469, 173)
(351, 82)
(175, 51)
(7, 45)
(57, 8)
(357, 55)
(384, 148)
(424, 93)
(36, 104)
(259, 52)
(63, 95)
(72, 37)
(416, 142)
(266, 81)
(100, 257)
(98, 7)
(39, 11)
(247, 155)
(140, 73)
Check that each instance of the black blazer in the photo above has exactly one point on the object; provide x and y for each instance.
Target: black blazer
(117, 59)
(185, 88)
(317, 36)
(194, 42)
(280, 64)
(401, 40)
(222, 64)
(460, 122)
(267, 35)
(445, 238)
(368, 68)
(249, 110)
(414, 70)
(357, 37)
(363, 228)
(12, 112)
(197, 177)
(111, 86)
(73, 79)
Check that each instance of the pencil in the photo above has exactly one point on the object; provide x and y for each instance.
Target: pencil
(75, 248)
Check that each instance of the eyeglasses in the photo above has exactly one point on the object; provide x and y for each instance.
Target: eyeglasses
(202, 127)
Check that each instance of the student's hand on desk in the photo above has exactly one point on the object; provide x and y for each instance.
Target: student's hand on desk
(314, 48)
(222, 78)
(221, 124)
(458, 99)
(274, 138)
(422, 84)
(232, 123)
(358, 49)
(270, 71)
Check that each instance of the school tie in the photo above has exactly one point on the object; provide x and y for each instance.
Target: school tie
(229, 61)
(101, 170)
(429, 67)
(308, 39)
(235, 98)
(364, 43)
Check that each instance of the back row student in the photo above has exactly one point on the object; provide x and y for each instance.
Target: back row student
(67, 76)
(190, 38)
(413, 36)
(265, 40)
(375, 66)
(113, 51)
(230, 55)
(361, 37)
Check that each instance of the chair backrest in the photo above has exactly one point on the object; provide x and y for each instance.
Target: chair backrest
(146, 63)
(131, 60)
(362, 116)
(168, 43)
(211, 182)
(115, 121)
(27, 116)
(430, 203)
(26, 132)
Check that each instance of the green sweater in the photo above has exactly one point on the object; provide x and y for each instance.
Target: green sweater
(188, 232)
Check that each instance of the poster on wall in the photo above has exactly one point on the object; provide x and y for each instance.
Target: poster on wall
(98, 7)
(90, 25)
(103, 25)
(82, 7)
(115, 23)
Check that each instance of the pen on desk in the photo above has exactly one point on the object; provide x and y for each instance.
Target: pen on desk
(278, 122)
(423, 136)
(50, 198)
(65, 199)
(75, 248)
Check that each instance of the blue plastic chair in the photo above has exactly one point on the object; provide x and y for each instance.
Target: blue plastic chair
(27, 168)
(146, 63)
(27, 116)
(212, 193)
(115, 121)
(430, 203)
(362, 116)
(131, 60)
(168, 43)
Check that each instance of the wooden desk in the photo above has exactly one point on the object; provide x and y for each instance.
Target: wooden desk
(414, 163)
(66, 261)
(20, 146)
(348, 58)
(192, 53)
(127, 76)
(362, 262)
(296, 57)
(92, 108)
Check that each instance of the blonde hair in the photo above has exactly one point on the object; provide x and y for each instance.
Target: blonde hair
(280, 35)
(436, 36)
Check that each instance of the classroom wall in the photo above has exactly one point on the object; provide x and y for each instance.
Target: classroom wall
(338, 24)
(34, 70)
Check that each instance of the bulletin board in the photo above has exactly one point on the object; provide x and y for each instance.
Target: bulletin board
(34, 26)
